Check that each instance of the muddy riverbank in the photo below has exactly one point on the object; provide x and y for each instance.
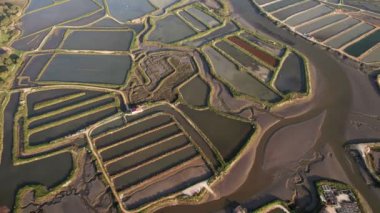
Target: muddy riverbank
(340, 90)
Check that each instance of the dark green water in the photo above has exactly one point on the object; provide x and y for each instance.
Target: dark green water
(363, 45)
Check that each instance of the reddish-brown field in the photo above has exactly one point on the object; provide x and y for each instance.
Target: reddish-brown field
(267, 58)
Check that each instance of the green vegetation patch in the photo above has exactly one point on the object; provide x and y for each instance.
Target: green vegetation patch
(8, 15)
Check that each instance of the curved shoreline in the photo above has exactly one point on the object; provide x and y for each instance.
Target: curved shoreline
(334, 94)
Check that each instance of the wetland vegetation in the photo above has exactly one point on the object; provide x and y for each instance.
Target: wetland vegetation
(169, 98)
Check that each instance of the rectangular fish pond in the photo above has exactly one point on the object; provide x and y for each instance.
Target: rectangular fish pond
(127, 10)
(91, 69)
(350, 35)
(308, 15)
(239, 80)
(112, 40)
(363, 45)
(318, 24)
(171, 29)
(334, 29)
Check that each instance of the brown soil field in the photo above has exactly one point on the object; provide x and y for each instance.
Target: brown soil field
(267, 58)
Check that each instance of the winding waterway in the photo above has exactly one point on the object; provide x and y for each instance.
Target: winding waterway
(47, 171)
(333, 94)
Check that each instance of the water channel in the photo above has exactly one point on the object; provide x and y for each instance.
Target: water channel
(333, 94)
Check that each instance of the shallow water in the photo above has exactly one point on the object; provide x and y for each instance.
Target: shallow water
(363, 45)
(308, 16)
(38, 4)
(334, 29)
(241, 81)
(196, 92)
(332, 80)
(291, 77)
(135, 8)
(171, 29)
(350, 35)
(108, 40)
(88, 68)
(316, 25)
(58, 167)
(34, 22)
(229, 136)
